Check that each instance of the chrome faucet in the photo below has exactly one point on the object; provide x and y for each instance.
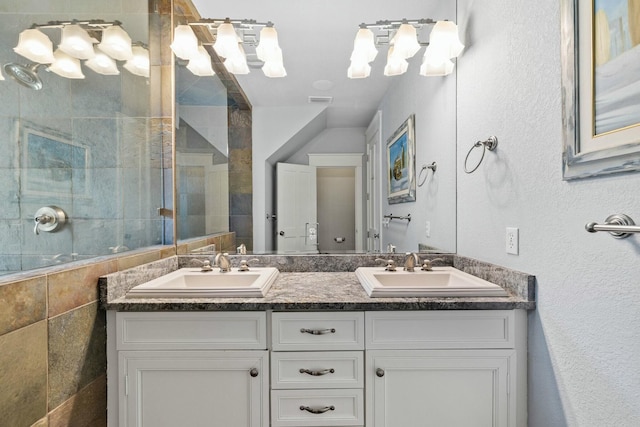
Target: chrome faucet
(222, 261)
(411, 261)
(427, 264)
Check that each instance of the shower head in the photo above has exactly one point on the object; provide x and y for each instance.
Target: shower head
(26, 75)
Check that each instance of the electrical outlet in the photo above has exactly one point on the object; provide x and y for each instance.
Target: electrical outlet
(427, 228)
(512, 240)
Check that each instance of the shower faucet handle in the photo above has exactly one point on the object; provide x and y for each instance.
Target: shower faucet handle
(49, 218)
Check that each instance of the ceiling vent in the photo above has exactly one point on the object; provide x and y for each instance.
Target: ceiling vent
(320, 99)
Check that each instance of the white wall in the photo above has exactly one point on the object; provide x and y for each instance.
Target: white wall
(433, 101)
(272, 127)
(584, 337)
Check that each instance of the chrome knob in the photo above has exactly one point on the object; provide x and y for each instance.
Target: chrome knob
(253, 372)
(380, 372)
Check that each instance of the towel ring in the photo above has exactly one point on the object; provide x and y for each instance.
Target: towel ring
(433, 166)
(490, 144)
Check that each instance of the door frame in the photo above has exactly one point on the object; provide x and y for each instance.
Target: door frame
(354, 160)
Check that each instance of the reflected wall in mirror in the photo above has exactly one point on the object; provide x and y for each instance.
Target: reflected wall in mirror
(316, 110)
(92, 146)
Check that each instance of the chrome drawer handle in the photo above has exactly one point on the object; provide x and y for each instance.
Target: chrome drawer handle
(318, 410)
(317, 331)
(317, 373)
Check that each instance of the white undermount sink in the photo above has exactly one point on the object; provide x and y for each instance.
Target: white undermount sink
(194, 283)
(440, 282)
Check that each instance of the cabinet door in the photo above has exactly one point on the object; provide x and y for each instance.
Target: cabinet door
(453, 388)
(194, 388)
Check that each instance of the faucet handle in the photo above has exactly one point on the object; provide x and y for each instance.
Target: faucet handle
(391, 264)
(244, 264)
(427, 264)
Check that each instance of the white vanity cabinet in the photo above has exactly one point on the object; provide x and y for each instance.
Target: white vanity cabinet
(189, 369)
(446, 368)
(317, 369)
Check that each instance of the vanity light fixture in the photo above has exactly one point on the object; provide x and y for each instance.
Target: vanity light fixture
(78, 42)
(232, 38)
(403, 41)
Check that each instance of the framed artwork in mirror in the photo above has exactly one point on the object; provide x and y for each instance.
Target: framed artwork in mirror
(52, 163)
(600, 87)
(401, 163)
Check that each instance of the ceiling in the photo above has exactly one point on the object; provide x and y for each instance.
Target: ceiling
(316, 37)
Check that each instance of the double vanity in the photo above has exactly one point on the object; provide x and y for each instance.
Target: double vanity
(319, 340)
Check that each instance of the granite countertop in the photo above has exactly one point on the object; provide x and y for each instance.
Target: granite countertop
(319, 291)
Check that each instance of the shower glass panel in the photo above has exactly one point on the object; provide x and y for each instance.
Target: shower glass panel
(93, 147)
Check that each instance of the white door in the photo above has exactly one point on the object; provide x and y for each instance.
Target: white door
(296, 205)
(373, 184)
(452, 388)
(194, 388)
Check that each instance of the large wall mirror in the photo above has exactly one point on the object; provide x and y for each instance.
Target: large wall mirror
(315, 133)
(82, 135)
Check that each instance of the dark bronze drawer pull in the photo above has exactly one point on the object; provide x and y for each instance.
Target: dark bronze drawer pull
(317, 410)
(317, 373)
(317, 331)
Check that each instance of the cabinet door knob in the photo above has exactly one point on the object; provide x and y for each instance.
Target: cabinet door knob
(281, 233)
(317, 373)
(253, 372)
(317, 410)
(317, 331)
(380, 372)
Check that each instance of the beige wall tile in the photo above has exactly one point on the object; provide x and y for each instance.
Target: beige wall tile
(22, 303)
(77, 354)
(88, 408)
(74, 288)
(23, 375)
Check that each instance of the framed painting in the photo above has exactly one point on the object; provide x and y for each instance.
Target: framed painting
(401, 163)
(52, 164)
(600, 87)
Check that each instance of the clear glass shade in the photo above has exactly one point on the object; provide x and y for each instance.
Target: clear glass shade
(200, 64)
(102, 63)
(116, 43)
(75, 41)
(34, 45)
(185, 42)
(139, 62)
(66, 65)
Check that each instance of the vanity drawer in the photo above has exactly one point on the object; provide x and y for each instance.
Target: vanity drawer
(332, 369)
(191, 330)
(318, 331)
(440, 329)
(344, 407)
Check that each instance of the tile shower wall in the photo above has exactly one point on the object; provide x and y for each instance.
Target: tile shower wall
(95, 147)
